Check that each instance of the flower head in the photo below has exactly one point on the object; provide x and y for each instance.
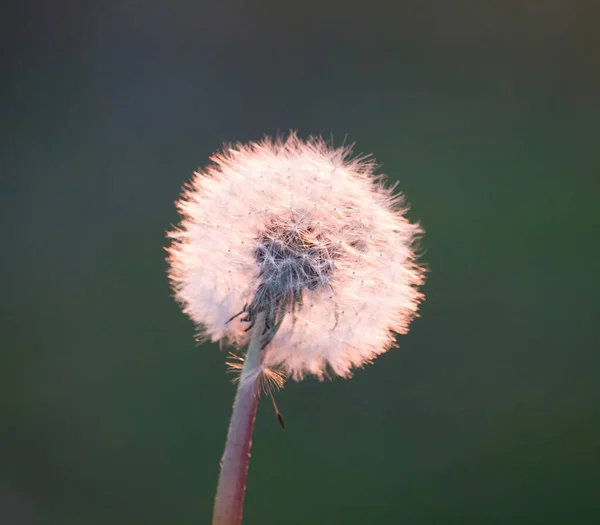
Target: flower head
(307, 235)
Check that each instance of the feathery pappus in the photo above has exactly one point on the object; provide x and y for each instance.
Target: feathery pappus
(307, 235)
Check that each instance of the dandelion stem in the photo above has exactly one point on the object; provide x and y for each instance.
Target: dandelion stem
(229, 500)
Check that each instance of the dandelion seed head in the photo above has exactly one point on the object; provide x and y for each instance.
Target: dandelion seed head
(307, 234)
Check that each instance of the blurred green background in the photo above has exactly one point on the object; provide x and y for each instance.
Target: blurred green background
(488, 114)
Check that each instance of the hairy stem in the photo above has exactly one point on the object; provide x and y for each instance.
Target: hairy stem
(229, 501)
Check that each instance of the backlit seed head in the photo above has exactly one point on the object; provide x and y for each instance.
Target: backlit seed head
(306, 234)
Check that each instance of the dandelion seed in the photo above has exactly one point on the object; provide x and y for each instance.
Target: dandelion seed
(303, 224)
(270, 261)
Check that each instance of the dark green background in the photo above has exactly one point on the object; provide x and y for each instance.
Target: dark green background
(487, 113)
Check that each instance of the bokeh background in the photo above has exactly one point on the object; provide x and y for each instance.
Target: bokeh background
(488, 114)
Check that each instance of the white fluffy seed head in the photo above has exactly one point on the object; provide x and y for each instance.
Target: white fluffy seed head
(308, 235)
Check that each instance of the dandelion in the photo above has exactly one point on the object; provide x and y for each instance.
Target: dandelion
(298, 250)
